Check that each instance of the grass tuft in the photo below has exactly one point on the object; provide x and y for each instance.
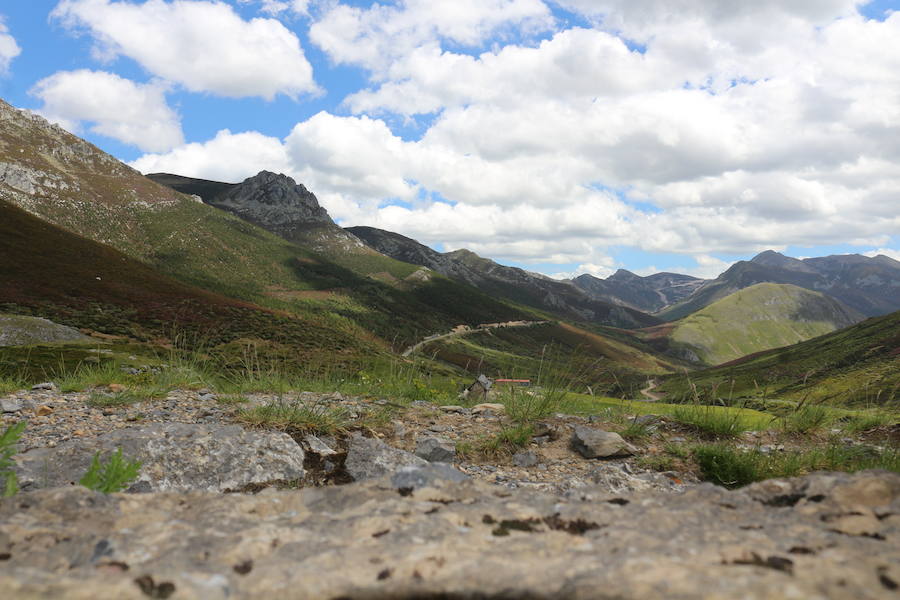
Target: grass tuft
(716, 421)
(297, 416)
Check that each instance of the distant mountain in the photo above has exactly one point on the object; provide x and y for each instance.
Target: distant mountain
(648, 294)
(531, 289)
(760, 317)
(858, 365)
(869, 285)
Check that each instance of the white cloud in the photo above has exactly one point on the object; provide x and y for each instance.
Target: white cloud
(229, 157)
(276, 7)
(202, 45)
(9, 49)
(130, 112)
(740, 127)
(377, 36)
(889, 252)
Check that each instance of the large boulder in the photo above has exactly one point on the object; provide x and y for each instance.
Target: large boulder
(174, 456)
(798, 538)
(596, 443)
(369, 458)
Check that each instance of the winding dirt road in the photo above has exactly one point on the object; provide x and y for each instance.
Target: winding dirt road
(464, 330)
(647, 392)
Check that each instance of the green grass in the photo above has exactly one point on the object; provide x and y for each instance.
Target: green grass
(716, 421)
(731, 467)
(296, 416)
(9, 484)
(504, 443)
(113, 475)
(858, 366)
(756, 318)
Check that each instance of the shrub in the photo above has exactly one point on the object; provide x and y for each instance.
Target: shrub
(806, 418)
(319, 417)
(112, 476)
(9, 484)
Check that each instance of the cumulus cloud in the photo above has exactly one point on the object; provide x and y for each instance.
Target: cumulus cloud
(889, 252)
(9, 49)
(130, 112)
(229, 157)
(275, 7)
(375, 37)
(202, 45)
(690, 127)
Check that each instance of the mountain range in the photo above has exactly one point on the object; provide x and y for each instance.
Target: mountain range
(264, 250)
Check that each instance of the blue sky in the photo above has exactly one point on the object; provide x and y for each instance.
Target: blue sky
(563, 136)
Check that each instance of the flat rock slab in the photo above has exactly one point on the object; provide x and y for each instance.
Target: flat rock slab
(174, 456)
(780, 539)
(370, 458)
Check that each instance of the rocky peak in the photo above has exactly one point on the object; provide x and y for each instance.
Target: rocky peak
(623, 275)
(770, 258)
(273, 199)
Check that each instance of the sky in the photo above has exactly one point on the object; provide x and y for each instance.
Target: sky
(562, 136)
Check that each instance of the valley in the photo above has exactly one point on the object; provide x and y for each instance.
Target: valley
(244, 351)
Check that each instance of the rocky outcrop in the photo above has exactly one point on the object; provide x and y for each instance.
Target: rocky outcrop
(370, 458)
(820, 536)
(596, 443)
(174, 456)
(19, 330)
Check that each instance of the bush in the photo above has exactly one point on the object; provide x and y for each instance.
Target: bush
(112, 476)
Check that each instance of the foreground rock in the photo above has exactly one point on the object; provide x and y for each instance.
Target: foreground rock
(596, 443)
(796, 538)
(174, 456)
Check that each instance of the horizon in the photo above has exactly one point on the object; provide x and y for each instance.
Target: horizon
(562, 137)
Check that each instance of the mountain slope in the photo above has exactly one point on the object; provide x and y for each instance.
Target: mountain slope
(558, 297)
(869, 285)
(66, 181)
(857, 365)
(760, 317)
(47, 271)
(648, 294)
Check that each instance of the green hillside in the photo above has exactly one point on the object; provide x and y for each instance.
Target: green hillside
(756, 318)
(49, 272)
(858, 365)
(608, 365)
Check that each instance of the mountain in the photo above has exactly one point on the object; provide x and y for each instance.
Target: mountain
(648, 294)
(276, 203)
(530, 289)
(65, 181)
(760, 317)
(49, 272)
(868, 285)
(857, 365)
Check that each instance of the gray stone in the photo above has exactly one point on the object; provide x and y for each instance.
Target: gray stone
(453, 408)
(315, 445)
(47, 385)
(174, 456)
(434, 449)
(646, 419)
(596, 443)
(415, 477)
(369, 458)
(20, 330)
(526, 458)
(811, 537)
(10, 405)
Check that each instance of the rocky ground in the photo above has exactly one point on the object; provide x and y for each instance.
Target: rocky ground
(224, 510)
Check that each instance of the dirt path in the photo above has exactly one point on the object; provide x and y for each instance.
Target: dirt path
(647, 392)
(465, 330)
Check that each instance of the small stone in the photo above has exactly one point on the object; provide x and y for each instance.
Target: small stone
(10, 405)
(317, 446)
(646, 419)
(43, 410)
(116, 388)
(452, 408)
(488, 407)
(208, 397)
(419, 476)
(596, 443)
(48, 385)
(435, 449)
(525, 458)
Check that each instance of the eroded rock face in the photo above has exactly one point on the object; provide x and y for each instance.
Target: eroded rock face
(174, 456)
(780, 539)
